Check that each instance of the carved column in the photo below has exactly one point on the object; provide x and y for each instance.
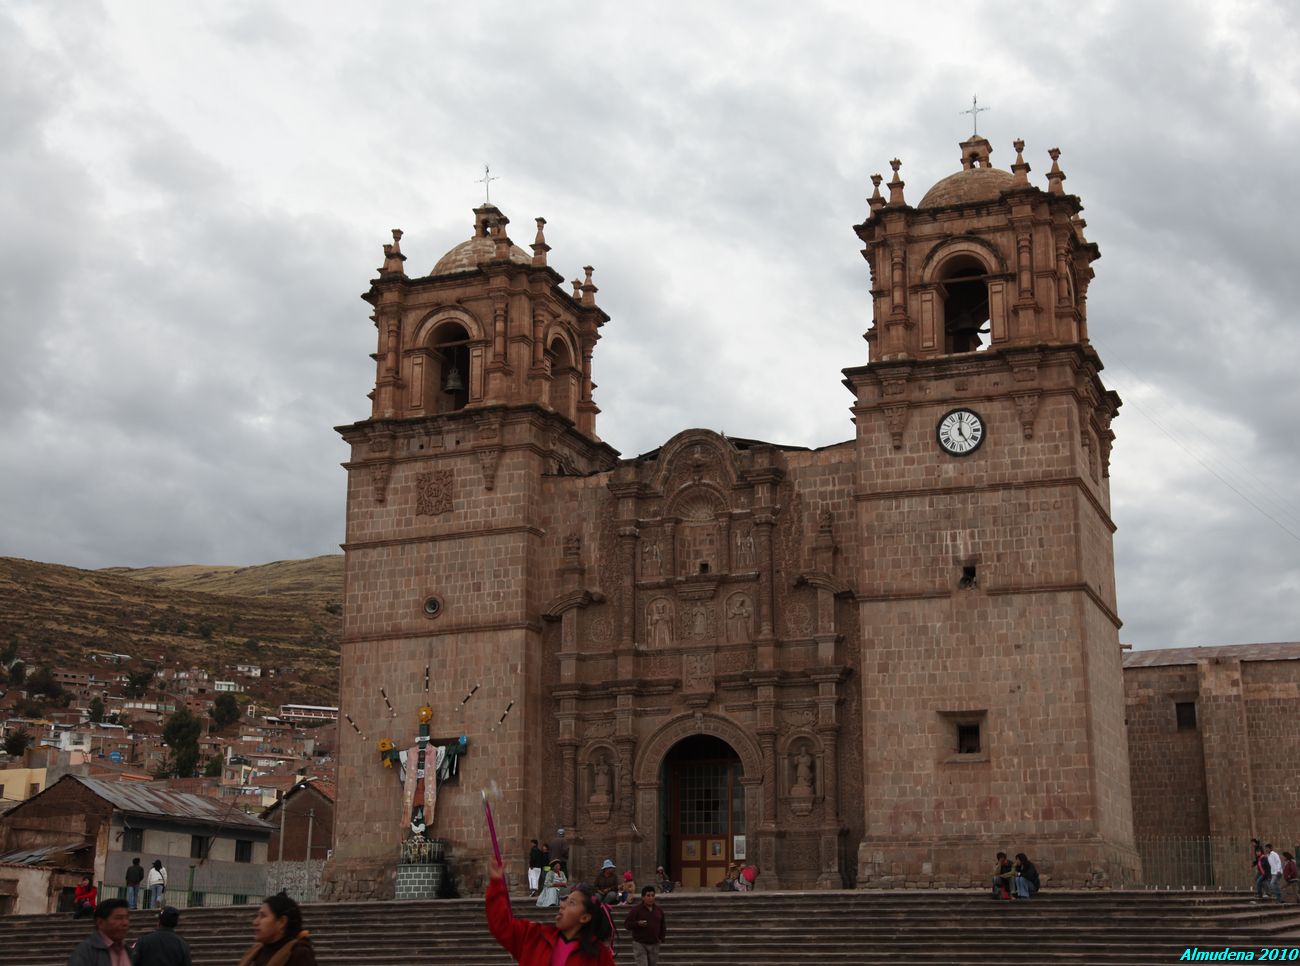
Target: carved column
(763, 523)
(668, 566)
(627, 543)
(499, 331)
(568, 783)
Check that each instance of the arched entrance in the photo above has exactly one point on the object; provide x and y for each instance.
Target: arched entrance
(702, 810)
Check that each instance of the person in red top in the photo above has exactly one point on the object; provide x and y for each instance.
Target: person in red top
(580, 936)
(83, 898)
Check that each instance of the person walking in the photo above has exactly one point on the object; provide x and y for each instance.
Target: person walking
(646, 922)
(134, 876)
(155, 885)
(84, 897)
(1290, 875)
(279, 938)
(1274, 872)
(106, 946)
(163, 947)
(580, 936)
(1261, 870)
(535, 864)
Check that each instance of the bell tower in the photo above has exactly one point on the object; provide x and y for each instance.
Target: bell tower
(482, 398)
(992, 691)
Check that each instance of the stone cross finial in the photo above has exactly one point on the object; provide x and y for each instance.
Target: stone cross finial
(896, 184)
(539, 246)
(1020, 168)
(876, 200)
(1056, 176)
(486, 182)
(975, 111)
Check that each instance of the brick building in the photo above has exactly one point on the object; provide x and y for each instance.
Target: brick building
(871, 663)
(1213, 746)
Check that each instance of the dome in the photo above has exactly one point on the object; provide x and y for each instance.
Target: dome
(968, 187)
(469, 255)
(474, 252)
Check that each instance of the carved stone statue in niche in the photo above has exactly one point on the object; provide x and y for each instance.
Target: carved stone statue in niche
(801, 786)
(651, 559)
(572, 545)
(803, 773)
(739, 615)
(601, 782)
(744, 549)
(659, 622)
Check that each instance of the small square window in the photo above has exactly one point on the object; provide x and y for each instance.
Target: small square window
(243, 850)
(1185, 711)
(968, 739)
(199, 846)
(133, 840)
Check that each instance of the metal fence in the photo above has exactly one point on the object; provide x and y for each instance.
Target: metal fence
(301, 880)
(1202, 862)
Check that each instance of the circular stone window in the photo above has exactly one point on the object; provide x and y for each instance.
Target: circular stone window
(433, 607)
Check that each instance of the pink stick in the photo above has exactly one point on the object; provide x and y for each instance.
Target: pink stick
(496, 847)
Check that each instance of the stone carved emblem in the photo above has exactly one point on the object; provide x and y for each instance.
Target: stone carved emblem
(433, 492)
(601, 630)
(737, 659)
(603, 728)
(697, 672)
(487, 461)
(697, 621)
(659, 622)
(798, 621)
(797, 718)
(663, 666)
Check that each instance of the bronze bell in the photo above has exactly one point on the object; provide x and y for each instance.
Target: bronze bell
(454, 382)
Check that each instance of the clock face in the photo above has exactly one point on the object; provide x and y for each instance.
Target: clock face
(960, 432)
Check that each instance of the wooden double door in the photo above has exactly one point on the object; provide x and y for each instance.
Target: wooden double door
(705, 815)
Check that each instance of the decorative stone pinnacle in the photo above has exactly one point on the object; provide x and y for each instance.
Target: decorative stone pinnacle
(1056, 176)
(393, 256)
(876, 200)
(589, 290)
(1020, 167)
(896, 184)
(540, 248)
(577, 289)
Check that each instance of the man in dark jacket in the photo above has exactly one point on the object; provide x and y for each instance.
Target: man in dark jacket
(163, 947)
(106, 945)
(646, 922)
(134, 876)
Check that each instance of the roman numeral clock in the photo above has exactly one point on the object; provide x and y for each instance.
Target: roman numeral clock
(960, 432)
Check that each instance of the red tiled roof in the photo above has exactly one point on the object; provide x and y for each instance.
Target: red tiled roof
(1165, 656)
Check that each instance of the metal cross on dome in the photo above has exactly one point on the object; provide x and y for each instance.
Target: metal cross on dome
(974, 111)
(486, 182)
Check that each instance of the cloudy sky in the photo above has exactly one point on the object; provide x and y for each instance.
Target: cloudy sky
(192, 196)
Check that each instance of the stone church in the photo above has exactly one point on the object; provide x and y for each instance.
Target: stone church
(872, 663)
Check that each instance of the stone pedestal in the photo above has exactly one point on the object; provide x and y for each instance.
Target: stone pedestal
(420, 881)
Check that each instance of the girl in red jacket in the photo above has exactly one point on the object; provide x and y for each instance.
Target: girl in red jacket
(578, 938)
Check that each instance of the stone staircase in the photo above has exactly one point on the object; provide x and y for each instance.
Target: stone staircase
(755, 929)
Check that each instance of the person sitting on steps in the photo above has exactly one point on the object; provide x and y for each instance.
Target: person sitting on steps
(1003, 873)
(1026, 882)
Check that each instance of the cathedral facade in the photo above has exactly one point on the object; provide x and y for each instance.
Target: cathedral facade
(871, 664)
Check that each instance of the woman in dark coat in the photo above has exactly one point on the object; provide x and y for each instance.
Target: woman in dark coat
(1026, 882)
(280, 938)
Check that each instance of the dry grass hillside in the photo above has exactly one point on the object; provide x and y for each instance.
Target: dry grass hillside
(283, 615)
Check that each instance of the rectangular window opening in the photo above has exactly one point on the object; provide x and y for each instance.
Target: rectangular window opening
(968, 739)
(199, 846)
(1185, 711)
(243, 850)
(133, 840)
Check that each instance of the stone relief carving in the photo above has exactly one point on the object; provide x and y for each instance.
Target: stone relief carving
(601, 781)
(737, 659)
(601, 630)
(659, 622)
(802, 778)
(792, 718)
(433, 492)
(487, 461)
(697, 672)
(379, 476)
(740, 616)
(651, 559)
(745, 549)
(603, 728)
(697, 621)
(798, 620)
(663, 666)
(572, 545)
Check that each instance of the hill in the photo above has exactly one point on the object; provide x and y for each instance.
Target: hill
(282, 615)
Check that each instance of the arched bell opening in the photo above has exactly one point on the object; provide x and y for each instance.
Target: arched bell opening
(450, 372)
(564, 377)
(702, 811)
(965, 291)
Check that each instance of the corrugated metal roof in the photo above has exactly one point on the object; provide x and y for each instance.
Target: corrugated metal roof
(45, 855)
(1166, 656)
(141, 798)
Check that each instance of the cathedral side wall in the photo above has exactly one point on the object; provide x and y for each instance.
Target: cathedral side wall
(1167, 766)
(1271, 693)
